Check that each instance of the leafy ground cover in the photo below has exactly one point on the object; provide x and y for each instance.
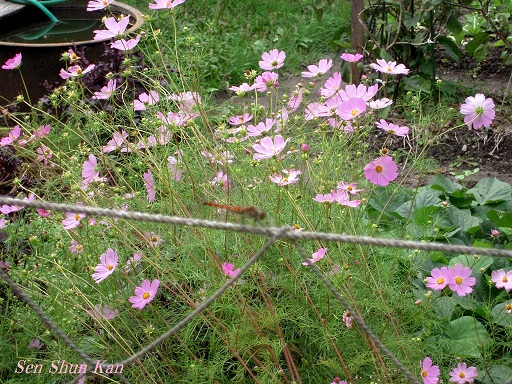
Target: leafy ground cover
(140, 131)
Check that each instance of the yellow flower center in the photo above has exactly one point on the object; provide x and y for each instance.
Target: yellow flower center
(440, 280)
(146, 295)
(354, 112)
(378, 169)
(110, 267)
(105, 2)
(458, 280)
(349, 188)
(462, 375)
(79, 71)
(505, 279)
(424, 373)
(389, 69)
(77, 217)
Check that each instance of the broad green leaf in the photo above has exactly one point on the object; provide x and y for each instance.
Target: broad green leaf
(386, 201)
(452, 49)
(424, 214)
(476, 263)
(481, 52)
(496, 374)
(467, 337)
(500, 315)
(444, 307)
(417, 84)
(442, 183)
(459, 218)
(491, 190)
(504, 220)
(478, 40)
(424, 198)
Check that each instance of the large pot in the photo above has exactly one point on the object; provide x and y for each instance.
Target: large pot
(42, 59)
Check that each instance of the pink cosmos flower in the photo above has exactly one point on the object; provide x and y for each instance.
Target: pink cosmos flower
(459, 280)
(114, 28)
(289, 177)
(348, 319)
(172, 166)
(438, 279)
(12, 136)
(144, 294)
(42, 212)
(222, 158)
(3, 223)
(267, 148)
(75, 71)
(239, 120)
(342, 197)
(153, 239)
(186, 100)
(337, 380)
(90, 170)
(107, 91)
(133, 262)
(44, 154)
(125, 45)
(6, 209)
(145, 100)
(75, 247)
(266, 81)
(106, 266)
(318, 70)
(502, 279)
(391, 68)
(349, 187)
(351, 108)
(227, 268)
(314, 110)
(272, 60)
(318, 255)
(97, 5)
(327, 198)
(429, 373)
(13, 63)
(221, 180)
(295, 99)
(42, 131)
(100, 313)
(332, 85)
(462, 374)
(165, 4)
(116, 142)
(350, 57)
(261, 128)
(393, 128)
(478, 110)
(35, 344)
(361, 92)
(380, 103)
(242, 88)
(381, 171)
(150, 185)
(72, 220)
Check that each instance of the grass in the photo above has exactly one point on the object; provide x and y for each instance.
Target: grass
(278, 323)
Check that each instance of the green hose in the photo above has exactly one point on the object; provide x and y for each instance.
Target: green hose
(41, 6)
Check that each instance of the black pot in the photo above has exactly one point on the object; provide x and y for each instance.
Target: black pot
(42, 59)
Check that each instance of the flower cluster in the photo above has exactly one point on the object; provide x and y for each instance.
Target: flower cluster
(461, 374)
(458, 278)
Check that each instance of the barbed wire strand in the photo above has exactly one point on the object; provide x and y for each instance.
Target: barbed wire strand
(259, 230)
(274, 232)
(356, 317)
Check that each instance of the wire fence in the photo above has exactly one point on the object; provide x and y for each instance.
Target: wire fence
(273, 234)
